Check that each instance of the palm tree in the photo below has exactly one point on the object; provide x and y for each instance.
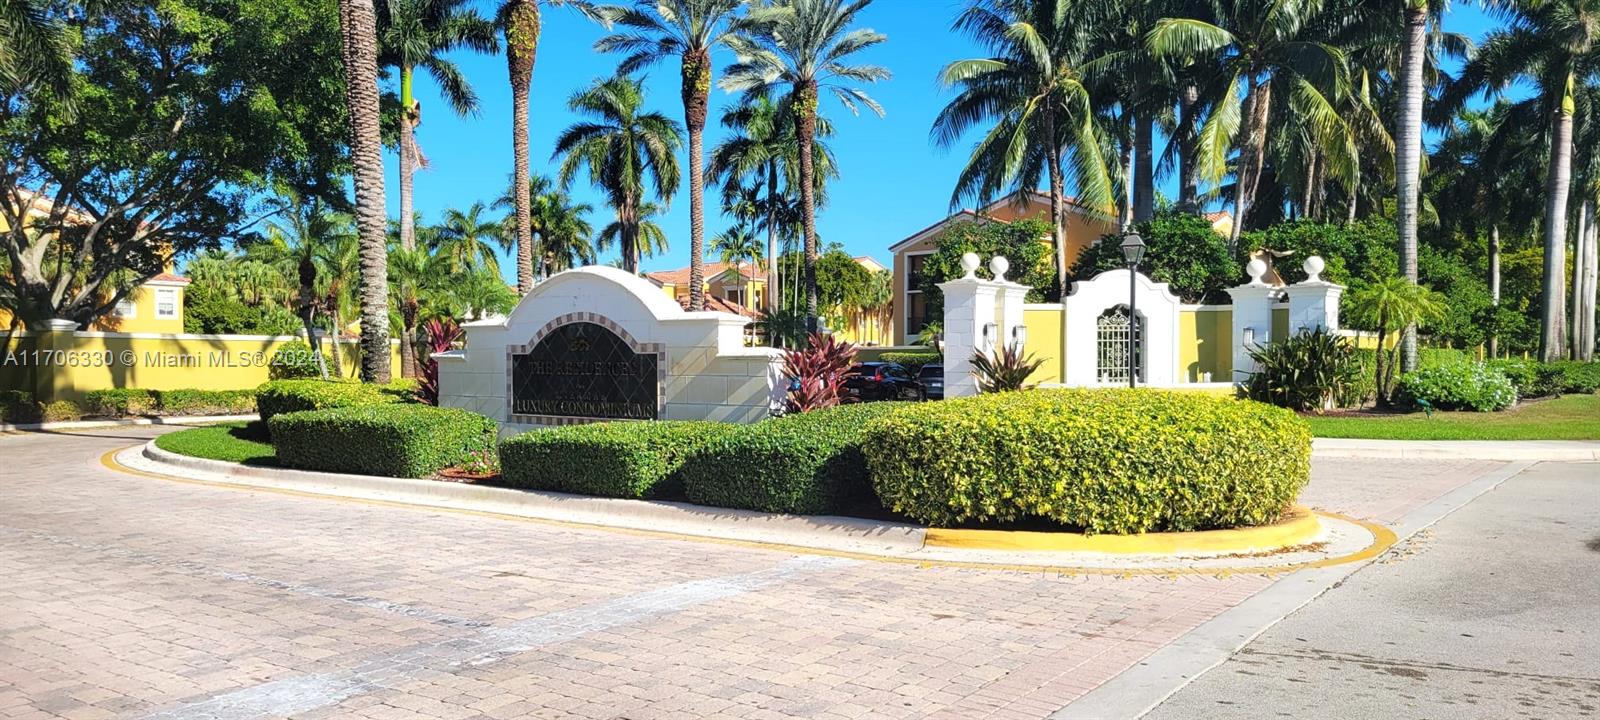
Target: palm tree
(805, 45)
(735, 246)
(1390, 304)
(689, 30)
(558, 226)
(35, 49)
(358, 27)
(621, 148)
(1408, 155)
(1032, 90)
(296, 241)
(414, 278)
(1260, 48)
(416, 34)
(463, 240)
(636, 236)
(760, 150)
(1549, 43)
(338, 262)
(519, 21)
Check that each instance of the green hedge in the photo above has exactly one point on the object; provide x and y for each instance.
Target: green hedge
(284, 396)
(614, 459)
(1466, 386)
(913, 360)
(807, 464)
(18, 407)
(392, 440)
(1105, 461)
(123, 402)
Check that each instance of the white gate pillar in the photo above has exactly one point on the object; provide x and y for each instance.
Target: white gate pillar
(1252, 318)
(1314, 304)
(970, 325)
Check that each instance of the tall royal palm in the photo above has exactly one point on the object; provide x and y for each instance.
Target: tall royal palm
(413, 35)
(655, 30)
(519, 21)
(466, 240)
(1551, 44)
(1260, 49)
(626, 152)
(1408, 155)
(1032, 93)
(359, 39)
(805, 46)
(761, 152)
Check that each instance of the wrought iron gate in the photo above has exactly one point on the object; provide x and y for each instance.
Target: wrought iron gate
(1111, 334)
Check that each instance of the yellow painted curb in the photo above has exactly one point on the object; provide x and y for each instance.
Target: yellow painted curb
(1382, 537)
(1299, 527)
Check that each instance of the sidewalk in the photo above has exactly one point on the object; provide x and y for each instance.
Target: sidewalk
(1503, 450)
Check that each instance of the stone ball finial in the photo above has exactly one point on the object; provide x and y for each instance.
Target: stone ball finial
(1255, 269)
(1313, 267)
(969, 264)
(999, 265)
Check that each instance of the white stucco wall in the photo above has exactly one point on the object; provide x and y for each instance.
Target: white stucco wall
(1155, 302)
(706, 371)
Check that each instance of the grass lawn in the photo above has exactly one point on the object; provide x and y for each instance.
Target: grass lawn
(232, 442)
(1572, 417)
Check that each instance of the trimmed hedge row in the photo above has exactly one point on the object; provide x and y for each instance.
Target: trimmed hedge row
(123, 402)
(1539, 379)
(913, 360)
(1106, 461)
(614, 459)
(395, 440)
(806, 464)
(286, 396)
(18, 407)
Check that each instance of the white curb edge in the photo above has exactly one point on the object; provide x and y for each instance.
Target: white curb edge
(125, 422)
(1498, 450)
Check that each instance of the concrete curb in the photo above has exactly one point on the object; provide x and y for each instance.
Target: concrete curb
(840, 534)
(1141, 688)
(1499, 450)
(125, 422)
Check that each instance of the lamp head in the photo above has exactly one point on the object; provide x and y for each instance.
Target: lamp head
(1132, 248)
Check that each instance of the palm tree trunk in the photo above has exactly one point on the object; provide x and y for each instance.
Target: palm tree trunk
(1494, 283)
(696, 88)
(774, 287)
(358, 30)
(408, 351)
(1144, 168)
(1188, 176)
(1355, 194)
(1408, 158)
(805, 120)
(521, 20)
(1252, 158)
(1558, 181)
(1125, 158)
(408, 161)
(1058, 220)
(307, 273)
(1583, 284)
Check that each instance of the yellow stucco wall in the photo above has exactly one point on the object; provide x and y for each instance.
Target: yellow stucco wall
(64, 366)
(1044, 342)
(144, 318)
(1203, 337)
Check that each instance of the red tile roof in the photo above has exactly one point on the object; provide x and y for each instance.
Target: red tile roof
(681, 275)
(720, 305)
(170, 277)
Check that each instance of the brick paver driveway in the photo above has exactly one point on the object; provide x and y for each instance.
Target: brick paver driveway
(126, 596)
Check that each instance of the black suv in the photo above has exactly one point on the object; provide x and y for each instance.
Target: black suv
(871, 381)
(932, 378)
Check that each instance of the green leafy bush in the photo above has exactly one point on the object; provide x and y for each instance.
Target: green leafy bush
(1003, 369)
(1528, 377)
(282, 396)
(61, 411)
(1464, 386)
(1307, 371)
(1183, 251)
(807, 464)
(18, 407)
(614, 459)
(126, 402)
(1105, 460)
(294, 360)
(391, 440)
(914, 359)
(1570, 376)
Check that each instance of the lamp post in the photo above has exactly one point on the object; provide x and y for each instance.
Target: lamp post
(1133, 252)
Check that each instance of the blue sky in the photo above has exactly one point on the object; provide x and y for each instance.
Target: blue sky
(893, 181)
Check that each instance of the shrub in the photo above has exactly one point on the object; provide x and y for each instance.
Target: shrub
(18, 407)
(391, 440)
(282, 396)
(61, 411)
(124, 402)
(1308, 371)
(1003, 369)
(1571, 376)
(294, 359)
(1467, 386)
(1105, 460)
(807, 464)
(1528, 377)
(614, 459)
(440, 336)
(119, 402)
(914, 359)
(817, 373)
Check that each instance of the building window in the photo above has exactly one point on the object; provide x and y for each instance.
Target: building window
(166, 303)
(734, 295)
(914, 265)
(125, 309)
(1111, 335)
(916, 304)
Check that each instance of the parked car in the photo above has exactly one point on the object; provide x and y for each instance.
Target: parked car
(867, 382)
(932, 378)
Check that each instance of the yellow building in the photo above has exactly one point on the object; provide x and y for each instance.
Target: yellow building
(743, 291)
(1084, 228)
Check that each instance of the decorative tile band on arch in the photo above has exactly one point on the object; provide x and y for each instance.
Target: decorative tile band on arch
(656, 352)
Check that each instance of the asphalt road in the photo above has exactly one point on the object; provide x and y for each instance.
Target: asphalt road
(1492, 613)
